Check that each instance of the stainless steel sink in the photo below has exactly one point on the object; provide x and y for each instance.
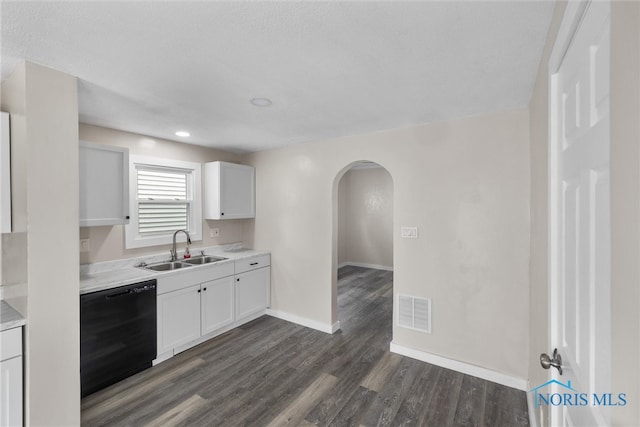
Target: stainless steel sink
(206, 259)
(166, 266)
(174, 265)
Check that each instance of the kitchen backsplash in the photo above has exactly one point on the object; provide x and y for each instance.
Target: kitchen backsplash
(107, 243)
(100, 267)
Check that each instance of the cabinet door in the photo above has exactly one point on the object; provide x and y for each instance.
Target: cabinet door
(217, 304)
(178, 318)
(104, 185)
(252, 292)
(237, 192)
(11, 392)
(229, 191)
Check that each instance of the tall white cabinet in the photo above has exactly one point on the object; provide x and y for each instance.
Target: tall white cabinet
(104, 185)
(229, 191)
(11, 377)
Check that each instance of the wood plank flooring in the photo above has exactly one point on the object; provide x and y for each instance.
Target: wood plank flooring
(274, 373)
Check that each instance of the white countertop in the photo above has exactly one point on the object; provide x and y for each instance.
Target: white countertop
(111, 274)
(9, 317)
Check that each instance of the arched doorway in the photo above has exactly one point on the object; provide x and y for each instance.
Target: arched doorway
(362, 237)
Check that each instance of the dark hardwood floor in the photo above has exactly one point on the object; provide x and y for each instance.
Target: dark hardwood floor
(274, 373)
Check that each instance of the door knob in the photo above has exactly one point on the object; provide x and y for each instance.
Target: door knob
(556, 361)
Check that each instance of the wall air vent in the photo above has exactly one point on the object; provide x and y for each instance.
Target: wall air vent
(414, 313)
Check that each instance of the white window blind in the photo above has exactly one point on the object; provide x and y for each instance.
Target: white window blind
(163, 203)
(165, 196)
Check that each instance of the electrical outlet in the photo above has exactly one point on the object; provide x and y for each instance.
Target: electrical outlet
(84, 245)
(409, 232)
(214, 232)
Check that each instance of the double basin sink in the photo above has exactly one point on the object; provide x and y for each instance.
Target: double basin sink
(183, 263)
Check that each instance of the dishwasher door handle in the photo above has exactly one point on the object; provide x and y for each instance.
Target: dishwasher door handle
(119, 294)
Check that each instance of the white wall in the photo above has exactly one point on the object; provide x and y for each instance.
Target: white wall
(464, 184)
(365, 218)
(625, 211)
(107, 243)
(44, 105)
(625, 207)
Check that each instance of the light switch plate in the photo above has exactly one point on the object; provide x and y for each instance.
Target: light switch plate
(409, 232)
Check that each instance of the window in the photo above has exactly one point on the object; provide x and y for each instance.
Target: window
(163, 205)
(165, 197)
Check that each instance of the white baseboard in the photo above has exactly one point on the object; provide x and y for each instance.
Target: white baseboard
(303, 321)
(465, 368)
(366, 265)
(335, 327)
(162, 357)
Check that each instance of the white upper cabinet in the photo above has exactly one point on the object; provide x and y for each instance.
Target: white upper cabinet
(5, 174)
(104, 185)
(229, 191)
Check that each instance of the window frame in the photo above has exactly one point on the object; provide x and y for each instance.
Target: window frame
(133, 239)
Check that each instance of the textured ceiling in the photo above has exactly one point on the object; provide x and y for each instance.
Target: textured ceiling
(330, 68)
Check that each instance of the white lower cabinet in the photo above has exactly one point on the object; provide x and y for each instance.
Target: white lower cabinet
(202, 302)
(178, 318)
(11, 377)
(187, 314)
(252, 292)
(216, 304)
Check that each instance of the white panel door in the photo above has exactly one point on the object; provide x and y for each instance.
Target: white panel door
(217, 304)
(580, 279)
(178, 318)
(252, 291)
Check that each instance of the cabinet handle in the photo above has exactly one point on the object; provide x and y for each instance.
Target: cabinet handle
(198, 290)
(237, 280)
(204, 289)
(221, 213)
(254, 263)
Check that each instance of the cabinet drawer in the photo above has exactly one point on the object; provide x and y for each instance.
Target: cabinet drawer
(252, 263)
(11, 340)
(190, 276)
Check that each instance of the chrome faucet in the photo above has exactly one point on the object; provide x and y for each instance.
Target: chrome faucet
(174, 253)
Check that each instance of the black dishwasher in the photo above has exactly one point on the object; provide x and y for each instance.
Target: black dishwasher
(117, 334)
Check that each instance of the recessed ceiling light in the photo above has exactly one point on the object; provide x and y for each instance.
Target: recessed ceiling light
(261, 102)
(183, 133)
